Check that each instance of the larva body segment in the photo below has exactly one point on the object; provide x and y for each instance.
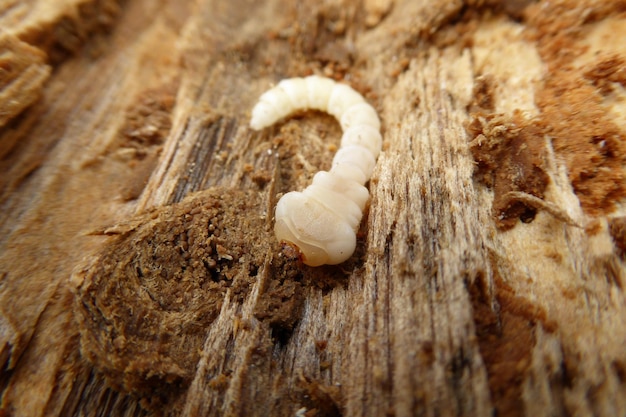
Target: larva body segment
(350, 173)
(341, 99)
(356, 156)
(323, 219)
(296, 90)
(336, 203)
(358, 115)
(365, 136)
(351, 189)
(318, 91)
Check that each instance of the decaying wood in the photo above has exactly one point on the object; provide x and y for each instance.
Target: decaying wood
(59, 26)
(138, 270)
(22, 77)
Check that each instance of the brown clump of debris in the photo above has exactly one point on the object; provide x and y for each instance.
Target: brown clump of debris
(510, 156)
(506, 326)
(140, 140)
(571, 99)
(509, 149)
(608, 71)
(593, 147)
(321, 399)
(281, 300)
(617, 229)
(146, 302)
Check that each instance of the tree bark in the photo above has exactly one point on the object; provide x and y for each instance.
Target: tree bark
(139, 274)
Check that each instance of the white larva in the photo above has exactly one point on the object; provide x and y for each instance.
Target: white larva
(322, 220)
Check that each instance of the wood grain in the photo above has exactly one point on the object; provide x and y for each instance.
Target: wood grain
(440, 311)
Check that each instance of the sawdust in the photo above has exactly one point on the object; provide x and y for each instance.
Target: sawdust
(145, 303)
(570, 100)
(281, 301)
(510, 149)
(608, 71)
(140, 140)
(593, 147)
(505, 326)
(320, 399)
(146, 127)
(510, 156)
(617, 228)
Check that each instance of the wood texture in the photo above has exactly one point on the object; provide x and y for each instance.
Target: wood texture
(443, 310)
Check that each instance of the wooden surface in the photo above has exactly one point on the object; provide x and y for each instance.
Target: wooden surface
(117, 299)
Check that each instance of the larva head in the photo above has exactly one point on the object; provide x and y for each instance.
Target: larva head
(321, 236)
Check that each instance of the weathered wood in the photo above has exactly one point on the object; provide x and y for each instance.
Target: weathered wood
(22, 78)
(451, 306)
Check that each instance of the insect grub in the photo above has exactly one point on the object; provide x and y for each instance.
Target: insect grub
(322, 220)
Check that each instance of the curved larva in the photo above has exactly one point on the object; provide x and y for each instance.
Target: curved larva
(323, 219)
